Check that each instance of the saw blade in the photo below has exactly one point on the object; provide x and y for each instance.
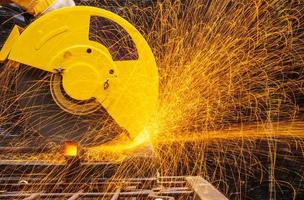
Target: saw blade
(42, 115)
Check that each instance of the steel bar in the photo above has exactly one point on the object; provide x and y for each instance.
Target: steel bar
(203, 189)
(32, 196)
(116, 195)
(76, 195)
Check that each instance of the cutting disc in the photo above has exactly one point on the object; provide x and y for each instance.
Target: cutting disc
(92, 124)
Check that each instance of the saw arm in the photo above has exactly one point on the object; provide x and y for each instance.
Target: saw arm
(37, 7)
(58, 42)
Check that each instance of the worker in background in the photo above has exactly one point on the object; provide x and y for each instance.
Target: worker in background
(38, 7)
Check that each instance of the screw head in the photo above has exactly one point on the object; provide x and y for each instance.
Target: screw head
(59, 70)
(111, 71)
(89, 50)
(106, 85)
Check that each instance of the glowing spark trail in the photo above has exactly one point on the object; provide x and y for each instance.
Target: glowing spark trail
(231, 77)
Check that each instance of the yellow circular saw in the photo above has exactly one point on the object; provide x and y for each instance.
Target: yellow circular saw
(86, 73)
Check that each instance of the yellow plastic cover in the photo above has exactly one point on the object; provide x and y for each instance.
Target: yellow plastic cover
(58, 41)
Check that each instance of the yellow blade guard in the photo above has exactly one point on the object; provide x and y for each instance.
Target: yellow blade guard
(128, 90)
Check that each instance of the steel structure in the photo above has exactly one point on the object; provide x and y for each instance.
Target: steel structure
(56, 181)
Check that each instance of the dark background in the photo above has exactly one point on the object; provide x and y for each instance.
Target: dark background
(245, 178)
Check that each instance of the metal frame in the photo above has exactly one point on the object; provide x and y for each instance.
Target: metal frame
(21, 181)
